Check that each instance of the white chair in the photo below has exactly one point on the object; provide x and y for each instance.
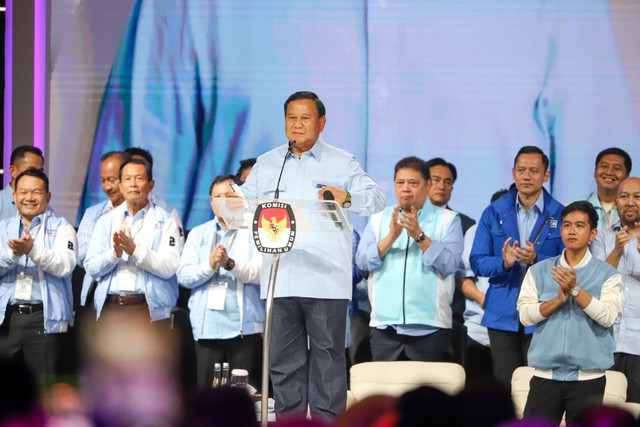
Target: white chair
(615, 391)
(396, 378)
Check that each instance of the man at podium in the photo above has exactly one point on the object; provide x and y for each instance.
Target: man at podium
(314, 279)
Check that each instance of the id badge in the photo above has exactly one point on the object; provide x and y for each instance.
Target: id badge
(216, 295)
(127, 277)
(24, 287)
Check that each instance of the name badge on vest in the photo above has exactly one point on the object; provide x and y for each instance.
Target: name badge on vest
(216, 294)
(127, 278)
(24, 287)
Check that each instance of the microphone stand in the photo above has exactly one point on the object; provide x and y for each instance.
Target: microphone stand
(266, 344)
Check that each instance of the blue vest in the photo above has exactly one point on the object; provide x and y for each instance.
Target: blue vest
(569, 340)
(403, 290)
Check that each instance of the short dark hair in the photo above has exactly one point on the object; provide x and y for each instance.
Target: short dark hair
(439, 161)
(123, 156)
(139, 151)
(531, 149)
(415, 163)
(582, 206)
(498, 194)
(144, 163)
(616, 152)
(20, 152)
(306, 95)
(222, 178)
(246, 164)
(36, 173)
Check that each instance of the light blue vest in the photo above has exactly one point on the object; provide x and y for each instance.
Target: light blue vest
(403, 290)
(569, 340)
(57, 296)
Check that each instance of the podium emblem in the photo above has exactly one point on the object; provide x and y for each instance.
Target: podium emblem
(274, 227)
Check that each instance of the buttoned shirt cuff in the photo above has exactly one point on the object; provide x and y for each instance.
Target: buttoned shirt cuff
(433, 251)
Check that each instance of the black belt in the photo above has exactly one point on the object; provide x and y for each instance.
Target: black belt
(25, 308)
(124, 299)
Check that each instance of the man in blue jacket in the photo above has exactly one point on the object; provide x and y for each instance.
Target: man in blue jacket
(37, 256)
(516, 231)
(573, 300)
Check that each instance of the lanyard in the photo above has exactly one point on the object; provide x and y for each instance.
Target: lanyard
(138, 227)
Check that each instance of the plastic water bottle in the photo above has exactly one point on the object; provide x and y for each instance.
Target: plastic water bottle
(216, 375)
(225, 374)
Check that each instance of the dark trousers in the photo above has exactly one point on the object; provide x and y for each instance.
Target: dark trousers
(478, 365)
(508, 352)
(360, 350)
(550, 399)
(386, 344)
(629, 364)
(307, 353)
(242, 352)
(23, 336)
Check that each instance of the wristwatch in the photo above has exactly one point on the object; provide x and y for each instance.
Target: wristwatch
(421, 237)
(347, 201)
(230, 264)
(575, 291)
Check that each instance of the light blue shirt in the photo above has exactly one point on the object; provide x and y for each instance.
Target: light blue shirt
(318, 266)
(627, 328)
(50, 263)
(7, 207)
(473, 311)
(27, 266)
(443, 256)
(85, 230)
(527, 220)
(156, 257)
(605, 219)
(134, 223)
(243, 312)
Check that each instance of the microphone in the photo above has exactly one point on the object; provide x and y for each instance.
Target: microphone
(276, 194)
(328, 195)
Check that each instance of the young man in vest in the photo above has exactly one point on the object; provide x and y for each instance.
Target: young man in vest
(412, 251)
(573, 299)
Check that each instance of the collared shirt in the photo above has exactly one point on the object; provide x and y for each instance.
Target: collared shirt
(215, 326)
(243, 312)
(26, 266)
(134, 224)
(50, 263)
(157, 254)
(443, 256)
(527, 220)
(606, 219)
(627, 330)
(319, 264)
(7, 206)
(87, 224)
(473, 311)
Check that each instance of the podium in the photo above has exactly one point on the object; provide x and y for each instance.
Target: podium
(284, 227)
